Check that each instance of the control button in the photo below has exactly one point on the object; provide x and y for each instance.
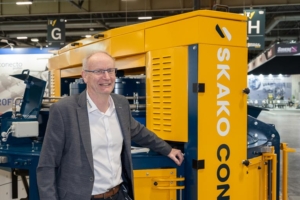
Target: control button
(3, 159)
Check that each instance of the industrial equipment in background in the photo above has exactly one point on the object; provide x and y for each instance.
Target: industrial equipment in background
(193, 95)
(22, 131)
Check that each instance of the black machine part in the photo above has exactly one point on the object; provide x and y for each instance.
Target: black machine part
(255, 111)
(33, 96)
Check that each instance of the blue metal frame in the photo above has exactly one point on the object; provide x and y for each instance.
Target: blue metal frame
(191, 147)
(23, 157)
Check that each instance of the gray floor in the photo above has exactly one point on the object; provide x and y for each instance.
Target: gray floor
(287, 123)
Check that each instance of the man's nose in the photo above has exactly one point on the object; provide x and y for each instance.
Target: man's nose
(105, 74)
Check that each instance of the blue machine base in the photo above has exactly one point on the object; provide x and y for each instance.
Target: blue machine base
(23, 157)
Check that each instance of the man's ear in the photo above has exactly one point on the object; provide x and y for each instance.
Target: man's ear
(83, 75)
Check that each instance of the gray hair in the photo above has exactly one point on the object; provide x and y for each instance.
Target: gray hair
(86, 59)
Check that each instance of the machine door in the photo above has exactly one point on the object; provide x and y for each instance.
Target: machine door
(158, 184)
(255, 179)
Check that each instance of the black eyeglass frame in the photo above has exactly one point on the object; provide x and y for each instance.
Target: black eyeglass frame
(102, 71)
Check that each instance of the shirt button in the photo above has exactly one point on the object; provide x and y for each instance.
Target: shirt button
(91, 178)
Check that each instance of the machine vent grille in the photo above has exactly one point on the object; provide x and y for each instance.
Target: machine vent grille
(162, 94)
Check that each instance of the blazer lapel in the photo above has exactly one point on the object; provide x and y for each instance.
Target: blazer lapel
(123, 119)
(84, 126)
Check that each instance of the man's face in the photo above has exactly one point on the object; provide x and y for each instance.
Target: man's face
(99, 83)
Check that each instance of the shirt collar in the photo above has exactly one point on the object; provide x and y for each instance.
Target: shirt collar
(91, 106)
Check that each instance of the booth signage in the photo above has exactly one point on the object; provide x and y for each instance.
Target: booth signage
(256, 29)
(56, 31)
(287, 49)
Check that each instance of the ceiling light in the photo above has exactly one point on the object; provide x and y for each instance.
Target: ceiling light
(34, 40)
(22, 38)
(23, 2)
(145, 17)
(87, 36)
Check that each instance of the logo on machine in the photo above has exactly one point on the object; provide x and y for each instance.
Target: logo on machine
(223, 125)
(250, 14)
(52, 22)
(223, 32)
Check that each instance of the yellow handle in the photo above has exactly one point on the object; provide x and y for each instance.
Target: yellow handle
(170, 188)
(168, 180)
(171, 179)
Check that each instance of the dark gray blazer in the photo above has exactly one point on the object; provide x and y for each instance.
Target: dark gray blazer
(65, 170)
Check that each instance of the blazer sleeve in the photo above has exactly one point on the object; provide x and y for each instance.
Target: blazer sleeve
(51, 154)
(146, 138)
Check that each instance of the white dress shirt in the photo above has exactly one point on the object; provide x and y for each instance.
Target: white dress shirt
(107, 141)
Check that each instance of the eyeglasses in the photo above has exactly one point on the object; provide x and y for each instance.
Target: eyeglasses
(110, 71)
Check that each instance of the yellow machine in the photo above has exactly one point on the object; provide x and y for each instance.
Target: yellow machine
(196, 98)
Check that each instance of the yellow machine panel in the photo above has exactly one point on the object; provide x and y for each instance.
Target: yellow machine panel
(222, 118)
(128, 44)
(255, 179)
(232, 32)
(131, 62)
(168, 35)
(155, 184)
(166, 95)
(55, 82)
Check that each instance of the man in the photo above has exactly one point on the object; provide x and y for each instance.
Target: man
(86, 152)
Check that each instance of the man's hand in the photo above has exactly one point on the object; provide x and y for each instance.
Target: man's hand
(177, 156)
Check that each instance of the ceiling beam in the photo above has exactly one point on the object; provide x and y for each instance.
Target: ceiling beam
(282, 18)
(270, 38)
(44, 34)
(88, 13)
(18, 27)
